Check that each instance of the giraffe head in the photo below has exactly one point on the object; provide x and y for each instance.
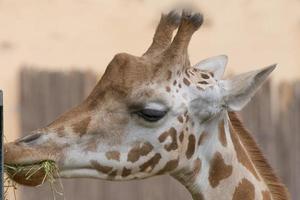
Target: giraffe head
(144, 116)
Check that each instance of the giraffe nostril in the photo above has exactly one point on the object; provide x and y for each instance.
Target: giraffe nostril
(29, 138)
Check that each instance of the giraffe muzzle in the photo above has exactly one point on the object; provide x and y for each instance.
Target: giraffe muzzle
(24, 163)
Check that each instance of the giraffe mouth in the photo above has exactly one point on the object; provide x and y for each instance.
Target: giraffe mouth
(32, 174)
(27, 165)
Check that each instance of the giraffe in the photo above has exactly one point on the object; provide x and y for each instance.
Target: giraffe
(157, 114)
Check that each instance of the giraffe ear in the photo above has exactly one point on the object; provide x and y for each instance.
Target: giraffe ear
(239, 90)
(216, 65)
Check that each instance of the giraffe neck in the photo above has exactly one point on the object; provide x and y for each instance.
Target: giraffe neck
(222, 167)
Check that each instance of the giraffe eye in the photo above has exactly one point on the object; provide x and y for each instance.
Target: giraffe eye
(29, 138)
(151, 115)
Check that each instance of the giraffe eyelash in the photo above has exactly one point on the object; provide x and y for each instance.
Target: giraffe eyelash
(151, 115)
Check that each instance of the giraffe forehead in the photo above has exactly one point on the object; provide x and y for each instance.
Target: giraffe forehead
(129, 72)
(123, 75)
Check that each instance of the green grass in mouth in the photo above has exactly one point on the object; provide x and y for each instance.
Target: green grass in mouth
(48, 167)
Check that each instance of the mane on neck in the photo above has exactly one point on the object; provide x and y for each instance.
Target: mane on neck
(277, 189)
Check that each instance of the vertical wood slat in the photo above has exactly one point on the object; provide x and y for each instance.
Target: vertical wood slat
(44, 95)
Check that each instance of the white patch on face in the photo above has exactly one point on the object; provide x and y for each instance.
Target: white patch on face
(207, 103)
(155, 106)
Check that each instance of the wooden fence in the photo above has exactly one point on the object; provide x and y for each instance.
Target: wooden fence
(273, 116)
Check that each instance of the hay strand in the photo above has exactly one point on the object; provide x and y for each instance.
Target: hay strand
(47, 169)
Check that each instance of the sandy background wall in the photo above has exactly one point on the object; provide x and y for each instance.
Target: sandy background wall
(85, 34)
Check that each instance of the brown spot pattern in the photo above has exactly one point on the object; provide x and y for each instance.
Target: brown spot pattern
(222, 134)
(170, 166)
(112, 174)
(81, 126)
(205, 76)
(169, 75)
(266, 195)
(187, 118)
(186, 82)
(113, 155)
(185, 113)
(146, 148)
(218, 170)
(168, 89)
(187, 73)
(180, 119)
(126, 172)
(181, 136)
(136, 152)
(191, 146)
(245, 190)
(203, 82)
(150, 164)
(172, 133)
(242, 154)
(101, 168)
